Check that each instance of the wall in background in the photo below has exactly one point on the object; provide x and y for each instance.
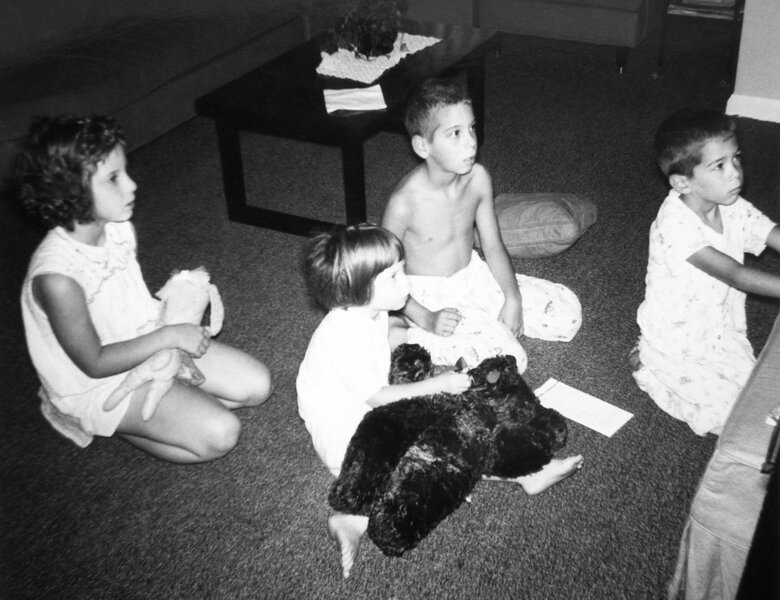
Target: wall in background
(757, 86)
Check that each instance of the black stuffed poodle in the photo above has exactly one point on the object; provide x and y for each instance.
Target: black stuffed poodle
(413, 462)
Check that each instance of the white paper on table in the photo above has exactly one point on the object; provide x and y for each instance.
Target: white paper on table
(370, 98)
(581, 407)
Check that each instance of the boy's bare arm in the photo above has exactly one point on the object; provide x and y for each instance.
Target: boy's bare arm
(395, 217)
(729, 271)
(441, 322)
(497, 259)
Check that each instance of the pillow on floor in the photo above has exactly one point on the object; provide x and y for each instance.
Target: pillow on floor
(542, 224)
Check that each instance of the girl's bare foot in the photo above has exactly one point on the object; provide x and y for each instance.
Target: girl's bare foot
(347, 530)
(553, 472)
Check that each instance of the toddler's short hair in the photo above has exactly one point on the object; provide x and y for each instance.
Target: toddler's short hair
(681, 137)
(340, 265)
(56, 163)
(432, 94)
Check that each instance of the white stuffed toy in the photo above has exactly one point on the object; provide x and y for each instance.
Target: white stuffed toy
(185, 298)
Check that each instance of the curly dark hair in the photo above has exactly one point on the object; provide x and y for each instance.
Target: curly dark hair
(56, 163)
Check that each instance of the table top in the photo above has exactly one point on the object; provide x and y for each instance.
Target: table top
(285, 96)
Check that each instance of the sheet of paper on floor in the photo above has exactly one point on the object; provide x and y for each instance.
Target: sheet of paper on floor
(581, 407)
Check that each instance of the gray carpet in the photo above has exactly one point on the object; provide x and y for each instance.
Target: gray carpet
(111, 522)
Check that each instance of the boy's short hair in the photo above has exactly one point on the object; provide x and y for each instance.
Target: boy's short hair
(681, 137)
(432, 94)
(340, 265)
(56, 163)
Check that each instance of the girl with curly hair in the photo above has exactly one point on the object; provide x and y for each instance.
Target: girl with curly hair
(84, 302)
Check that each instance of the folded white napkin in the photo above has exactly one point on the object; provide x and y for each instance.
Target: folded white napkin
(369, 98)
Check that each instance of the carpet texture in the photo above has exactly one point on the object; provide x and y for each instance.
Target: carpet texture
(112, 522)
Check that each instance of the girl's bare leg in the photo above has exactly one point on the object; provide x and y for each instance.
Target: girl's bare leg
(189, 426)
(348, 531)
(235, 377)
(193, 424)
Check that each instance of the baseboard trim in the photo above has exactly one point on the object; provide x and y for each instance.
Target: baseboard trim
(754, 107)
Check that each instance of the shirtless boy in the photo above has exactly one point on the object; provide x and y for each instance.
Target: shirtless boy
(460, 305)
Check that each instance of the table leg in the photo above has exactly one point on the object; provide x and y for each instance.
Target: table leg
(232, 170)
(228, 138)
(354, 173)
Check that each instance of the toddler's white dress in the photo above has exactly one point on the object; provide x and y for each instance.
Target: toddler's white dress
(693, 345)
(119, 304)
(346, 363)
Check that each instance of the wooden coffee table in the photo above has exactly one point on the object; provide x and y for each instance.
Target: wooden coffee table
(285, 98)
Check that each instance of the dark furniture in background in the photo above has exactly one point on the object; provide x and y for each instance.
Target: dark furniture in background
(729, 12)
(285, 98)
(623, 24)
(140, 61)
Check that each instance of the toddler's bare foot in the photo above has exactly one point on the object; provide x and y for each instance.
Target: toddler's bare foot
(553, 472)
(347, 530)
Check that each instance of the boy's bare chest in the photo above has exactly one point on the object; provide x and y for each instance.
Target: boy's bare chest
(444, 219)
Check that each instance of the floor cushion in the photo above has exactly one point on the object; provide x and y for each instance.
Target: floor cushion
(539, 225)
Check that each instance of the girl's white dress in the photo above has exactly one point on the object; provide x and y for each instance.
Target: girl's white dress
(119, 304)
(693, 346)
(347, 362)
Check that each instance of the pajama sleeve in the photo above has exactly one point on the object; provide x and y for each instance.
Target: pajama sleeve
(756, 227)
(679, 235)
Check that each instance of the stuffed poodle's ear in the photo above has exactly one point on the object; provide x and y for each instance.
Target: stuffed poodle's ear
(217, 310)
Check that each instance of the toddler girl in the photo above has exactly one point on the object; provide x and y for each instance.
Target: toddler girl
(356, 272)
(84, 302)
